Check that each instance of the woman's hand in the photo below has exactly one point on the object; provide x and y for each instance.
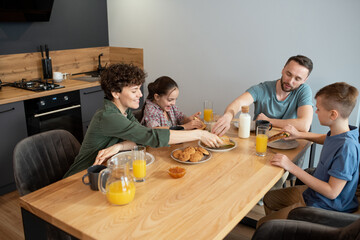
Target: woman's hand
(105, 154)
(222, 125)
(210, 139)
(282, 161)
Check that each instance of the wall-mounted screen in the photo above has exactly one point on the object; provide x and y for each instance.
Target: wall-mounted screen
(25, 10)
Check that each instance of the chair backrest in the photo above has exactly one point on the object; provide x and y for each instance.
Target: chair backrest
(138, 114)
(42, 159)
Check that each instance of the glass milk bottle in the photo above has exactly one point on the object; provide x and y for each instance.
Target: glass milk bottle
(244, 122)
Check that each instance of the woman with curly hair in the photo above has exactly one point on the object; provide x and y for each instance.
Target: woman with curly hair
(113, 128)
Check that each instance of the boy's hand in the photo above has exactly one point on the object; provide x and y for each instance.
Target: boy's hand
(281, 160)
(294, 133)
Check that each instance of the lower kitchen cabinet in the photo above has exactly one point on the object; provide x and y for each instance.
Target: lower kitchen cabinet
(13, 129)
(91, 100)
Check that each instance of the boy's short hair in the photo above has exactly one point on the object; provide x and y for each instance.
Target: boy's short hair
(339, 96)
(120, 75)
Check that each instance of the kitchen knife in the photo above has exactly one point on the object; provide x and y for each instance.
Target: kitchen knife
(47, 51)
(42, 52)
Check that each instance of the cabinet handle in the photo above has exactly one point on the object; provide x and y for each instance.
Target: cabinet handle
(85, 93)
(11, 109)
(56, 111)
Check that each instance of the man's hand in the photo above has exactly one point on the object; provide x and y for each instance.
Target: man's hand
(282, 161)
(262, 116)
(222, 125)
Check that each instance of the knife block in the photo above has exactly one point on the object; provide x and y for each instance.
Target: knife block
(47, 68)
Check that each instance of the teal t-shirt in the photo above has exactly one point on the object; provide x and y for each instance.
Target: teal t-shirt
(265, 101)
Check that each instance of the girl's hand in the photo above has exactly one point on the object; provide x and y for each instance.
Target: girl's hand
(193, 124)
(210, 139)
(282, 161)
(196, 115)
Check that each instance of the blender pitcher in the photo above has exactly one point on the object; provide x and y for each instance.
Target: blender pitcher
(116, 182)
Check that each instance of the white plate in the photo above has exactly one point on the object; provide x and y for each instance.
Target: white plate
(221, 149)
(252, 125)
(284, 144)
(204, 159)
(148, 157)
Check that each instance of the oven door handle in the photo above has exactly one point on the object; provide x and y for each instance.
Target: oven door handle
(56, 111)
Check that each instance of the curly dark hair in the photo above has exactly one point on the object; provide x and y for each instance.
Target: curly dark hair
(120, 75)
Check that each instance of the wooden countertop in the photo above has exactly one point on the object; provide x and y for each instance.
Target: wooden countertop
(11, 94)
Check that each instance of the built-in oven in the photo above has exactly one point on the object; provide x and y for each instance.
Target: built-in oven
(59, 111)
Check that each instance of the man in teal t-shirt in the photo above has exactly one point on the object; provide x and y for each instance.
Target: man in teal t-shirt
(287, 100)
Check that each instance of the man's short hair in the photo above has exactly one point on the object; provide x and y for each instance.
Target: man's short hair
(120, 75)
(339, 96)
(303, 61)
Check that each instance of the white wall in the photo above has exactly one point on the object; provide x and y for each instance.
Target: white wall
(217, 49)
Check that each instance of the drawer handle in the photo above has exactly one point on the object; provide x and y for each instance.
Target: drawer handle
(56, 111)
(85, 93)
(11, 109)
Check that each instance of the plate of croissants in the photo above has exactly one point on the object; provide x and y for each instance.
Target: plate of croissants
(191, 155)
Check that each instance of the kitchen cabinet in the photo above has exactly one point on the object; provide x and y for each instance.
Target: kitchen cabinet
(91, 100)
(13, 129)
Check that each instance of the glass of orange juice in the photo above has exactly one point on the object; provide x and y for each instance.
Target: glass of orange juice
(208, 111)
(139, 163)
(261, 140)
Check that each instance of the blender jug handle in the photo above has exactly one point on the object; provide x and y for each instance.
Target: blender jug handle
(103, 177)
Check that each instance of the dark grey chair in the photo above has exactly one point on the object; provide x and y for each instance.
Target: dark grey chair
(42, 159)
(311, 223)
(138, 114)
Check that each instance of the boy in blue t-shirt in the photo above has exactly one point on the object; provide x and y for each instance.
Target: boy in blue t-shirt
(334, 182)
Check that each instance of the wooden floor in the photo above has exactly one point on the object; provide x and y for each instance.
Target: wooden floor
(11, 223)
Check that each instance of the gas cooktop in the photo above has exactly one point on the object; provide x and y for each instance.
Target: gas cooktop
(36, 85)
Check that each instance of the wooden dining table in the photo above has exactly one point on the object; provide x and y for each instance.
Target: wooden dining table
(207, 203)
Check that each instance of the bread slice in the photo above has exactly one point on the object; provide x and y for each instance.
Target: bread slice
(278, 136)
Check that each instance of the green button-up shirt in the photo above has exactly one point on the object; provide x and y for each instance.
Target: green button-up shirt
(108, 127)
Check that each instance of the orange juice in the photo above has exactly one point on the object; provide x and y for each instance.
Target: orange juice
(120, 194)
(208, 115)
(139, 168)
(261, 143)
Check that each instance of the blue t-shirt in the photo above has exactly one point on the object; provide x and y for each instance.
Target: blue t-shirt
(339, 158)
(265, 101)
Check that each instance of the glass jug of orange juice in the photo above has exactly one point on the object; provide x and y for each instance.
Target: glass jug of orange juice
(116, 182)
